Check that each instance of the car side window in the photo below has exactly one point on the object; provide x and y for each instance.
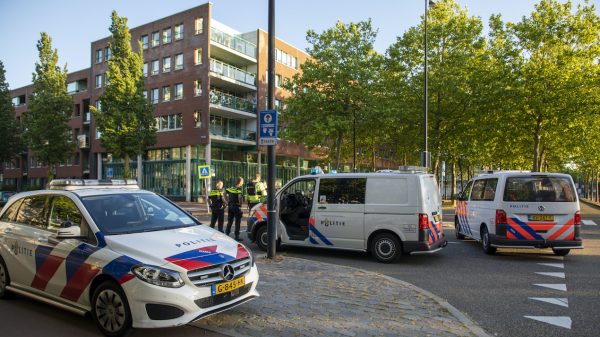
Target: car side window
(11, 212)
(478, 188)
(342, 191)
(467, 190)
(33, 211)
(63, 210)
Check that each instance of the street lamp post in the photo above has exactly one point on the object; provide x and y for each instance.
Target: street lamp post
(271, 223)
(425, 155)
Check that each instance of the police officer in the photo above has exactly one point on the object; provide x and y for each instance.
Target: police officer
(217, 202)
(234, 209)
(255, 192)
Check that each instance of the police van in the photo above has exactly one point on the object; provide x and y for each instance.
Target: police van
(517, 209)
(128, 257)
(387, 214)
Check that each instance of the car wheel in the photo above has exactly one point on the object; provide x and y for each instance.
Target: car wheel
(262, 238)
(110, 310)
(561, 252)
(485, 242)
(4, 281)
(457, 232)
(386, 248)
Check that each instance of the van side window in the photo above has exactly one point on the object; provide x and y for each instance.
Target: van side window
(467, 190)
(477, 192)
(342, 191)
(489, 191)
(539, 189)
(33, 211)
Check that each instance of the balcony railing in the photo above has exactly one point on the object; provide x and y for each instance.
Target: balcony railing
(234, 133)
(230, 101)
(234, 42)
(232, 72)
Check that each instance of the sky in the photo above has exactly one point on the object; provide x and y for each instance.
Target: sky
(74, 24)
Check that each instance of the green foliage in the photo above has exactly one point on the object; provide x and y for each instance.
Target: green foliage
(10, 129)
(50, 108)
(126, 120)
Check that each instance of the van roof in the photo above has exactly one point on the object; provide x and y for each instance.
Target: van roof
(520, 173)
(366, 175)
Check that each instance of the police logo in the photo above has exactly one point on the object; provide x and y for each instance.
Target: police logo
(227, 272)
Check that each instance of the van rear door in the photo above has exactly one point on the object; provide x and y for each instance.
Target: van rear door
(432, 207)
(540, 207)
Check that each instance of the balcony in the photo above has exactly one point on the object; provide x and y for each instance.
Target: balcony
(231, 106)
(230, 77)
(233, 135)
(231, 47)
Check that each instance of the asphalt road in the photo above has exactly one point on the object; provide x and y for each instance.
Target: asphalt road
(495, 291)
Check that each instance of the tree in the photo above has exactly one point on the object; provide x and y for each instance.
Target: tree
(335, 92)
(46, 127)
(126, 121)
(10, 129)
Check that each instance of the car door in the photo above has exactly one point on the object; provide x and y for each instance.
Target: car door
(340, 214)
(475, 208)
(462, 210)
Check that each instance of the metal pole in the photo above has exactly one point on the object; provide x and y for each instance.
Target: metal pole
(271, 221)
(424, 156)
(354, 141)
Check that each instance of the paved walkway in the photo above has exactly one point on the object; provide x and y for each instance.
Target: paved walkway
(307, 298)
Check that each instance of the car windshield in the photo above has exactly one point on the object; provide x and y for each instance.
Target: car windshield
(539, 189)
(135, 213)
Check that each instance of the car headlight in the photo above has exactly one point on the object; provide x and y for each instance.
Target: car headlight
(158, 276)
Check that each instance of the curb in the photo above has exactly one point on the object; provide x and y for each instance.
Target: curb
(590, 203)
(460, 316)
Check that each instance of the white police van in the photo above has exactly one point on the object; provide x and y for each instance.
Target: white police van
(127, 256)
(386, 214)
(517, 209)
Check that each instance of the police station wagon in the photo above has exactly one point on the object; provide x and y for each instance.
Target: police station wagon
(129, 257)
(512, 209)
(386, 214)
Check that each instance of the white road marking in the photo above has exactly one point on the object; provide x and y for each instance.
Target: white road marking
(589, 222)
(454, 242)
(555, 286)
(561, 321)
(552, 257)
(563, 302)
(555, 265)
(559, 275)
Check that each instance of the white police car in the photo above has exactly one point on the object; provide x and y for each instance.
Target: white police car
(129, 257)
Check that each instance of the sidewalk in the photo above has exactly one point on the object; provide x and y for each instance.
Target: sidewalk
(307, 298)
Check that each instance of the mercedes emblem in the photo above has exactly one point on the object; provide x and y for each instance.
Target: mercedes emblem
(227, 272)
(541, 208)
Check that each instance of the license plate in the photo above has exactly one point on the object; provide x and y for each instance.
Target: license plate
(541, 217)
(225, 287)
(437, 217)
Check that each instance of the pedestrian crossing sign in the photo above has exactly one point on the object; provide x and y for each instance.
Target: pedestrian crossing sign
(203, 171)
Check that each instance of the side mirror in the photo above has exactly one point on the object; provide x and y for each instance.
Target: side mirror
(70, 232)
(458, 196)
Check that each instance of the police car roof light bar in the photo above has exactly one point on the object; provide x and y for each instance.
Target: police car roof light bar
(60, 184)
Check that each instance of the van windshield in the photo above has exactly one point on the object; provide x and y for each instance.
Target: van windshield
(539, 189)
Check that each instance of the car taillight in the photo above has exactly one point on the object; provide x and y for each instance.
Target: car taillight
(577, 218)
(423, 221)
(500, 216)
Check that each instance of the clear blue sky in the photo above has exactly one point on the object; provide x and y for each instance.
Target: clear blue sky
(74, 24)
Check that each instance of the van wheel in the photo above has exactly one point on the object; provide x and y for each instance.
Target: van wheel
(262, 239)
(485, 242)
(457, 232)
(110, 310)
(386, 248)
(561, 252)
(4, 281)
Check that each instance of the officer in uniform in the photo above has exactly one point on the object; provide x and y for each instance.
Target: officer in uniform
(255, 192)
(234, 209)
(217, 202)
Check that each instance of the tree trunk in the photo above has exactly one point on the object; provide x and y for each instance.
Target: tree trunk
(51, 172)
(453, 183)
(339, 151)
(373, 160)
(597, 186)
(126, 172)
(536, 144)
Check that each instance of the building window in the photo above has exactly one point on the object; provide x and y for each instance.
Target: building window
(154, 96)
(167, 35)
(70, 136)
(197, 119)
(286, 81)
(277, 80)
(178, 91)
(166, 64)
(286, 59)
(98, 55)
(199, 25)
(145, 70)
(155, 39)
(198, 56)
(108, 53)
(277, 104)
(144, 39)
(179, 32)
(99, 81)
(155, 67)
(198, 88)
(179, 61)
(145, 94)
(99, 105)
(166, 91)
(169, 122)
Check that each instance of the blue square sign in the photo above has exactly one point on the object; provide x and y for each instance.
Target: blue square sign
(267, 127)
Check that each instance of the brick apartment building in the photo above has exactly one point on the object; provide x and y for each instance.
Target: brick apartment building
(206, 80)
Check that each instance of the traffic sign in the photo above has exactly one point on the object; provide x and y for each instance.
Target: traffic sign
(203, 171)
(109, 172)
(267, 127)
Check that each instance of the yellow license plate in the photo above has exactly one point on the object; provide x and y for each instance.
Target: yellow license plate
(225, 287)
(541, 217)
(437, 218)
